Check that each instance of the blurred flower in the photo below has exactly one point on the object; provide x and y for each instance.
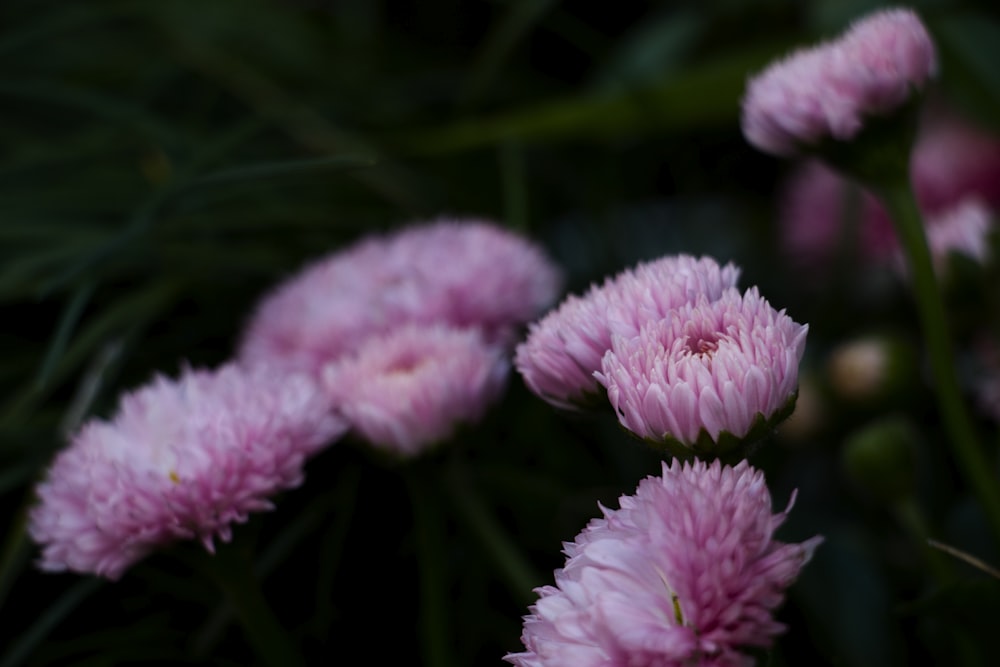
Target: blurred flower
(954, 159)
(859, 368)
(828, 91)
(880, 458)
(180, 459)
(955, 172)
(411, 388)
(711, 370)
(686, 572)
(963, 229)
(822, 213)
(460, 273)
(564, 349)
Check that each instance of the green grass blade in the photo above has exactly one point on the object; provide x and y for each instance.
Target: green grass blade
(48, 621)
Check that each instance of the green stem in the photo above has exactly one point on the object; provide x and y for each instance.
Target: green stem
(430, 540)
(232, 570)
(520, 575)
(930, 304)
(912, 519)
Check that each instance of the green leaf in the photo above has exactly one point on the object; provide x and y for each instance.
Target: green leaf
(263, 170)
(21, 649)
(702, 96)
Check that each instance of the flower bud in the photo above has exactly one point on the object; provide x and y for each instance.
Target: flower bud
(880, 459)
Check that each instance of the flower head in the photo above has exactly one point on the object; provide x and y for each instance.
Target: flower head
(411, 388)
(463, 274)
(954, 160)
(565, 348)
(828, 91)
(686, 572)
(180, 459)
(709, 372)
(963, 229)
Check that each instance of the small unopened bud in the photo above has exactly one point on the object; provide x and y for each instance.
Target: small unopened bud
(880, 459)
(871, 369)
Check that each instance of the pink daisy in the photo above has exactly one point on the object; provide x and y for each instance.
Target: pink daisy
(460, 273)
(687, 572)
(828, 91)
(180, 459)
(410, 389)
(564, 349)
(708, 374)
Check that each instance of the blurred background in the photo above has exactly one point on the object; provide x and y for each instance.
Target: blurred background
(163, 163)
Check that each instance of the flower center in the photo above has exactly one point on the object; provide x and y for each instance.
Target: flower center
(703, 344)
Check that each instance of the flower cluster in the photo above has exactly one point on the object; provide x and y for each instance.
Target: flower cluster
(180, 459)
(463, 274)
(399, 339)
(829, 90)
(564, 349)
(686, 572)
(684, 358)
(407, 332)
(955, 174)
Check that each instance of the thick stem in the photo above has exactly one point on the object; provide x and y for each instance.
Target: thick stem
(958, 425)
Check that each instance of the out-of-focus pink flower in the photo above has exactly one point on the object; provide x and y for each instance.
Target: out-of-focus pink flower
(820, 211)
(953, 160)
(564, 349)
(180, 459)
(955, 173)
(686, 572)
(710, 368)
(963, 229)
(410, 389)
(829, 90)
(459, 273)
(474, 274)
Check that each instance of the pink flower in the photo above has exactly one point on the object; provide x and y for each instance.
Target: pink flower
(474, 274)
(963, 229)
(564, 350)
(829, 90)
(708, 370)
(411, 388)
(180, 459)
(464, 274)
(686, 572)
(953, 160)
(820, 211)
(818, 204)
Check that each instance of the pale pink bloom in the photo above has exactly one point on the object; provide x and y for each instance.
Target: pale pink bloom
(709, 368)
(955, 173)
(963, 229)
(687, 572)
(460, 273)
(828, 91)
(821, 213)
(180, 459)
(564, 349)
(411, 388)
(471, 273)
(952, 161)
